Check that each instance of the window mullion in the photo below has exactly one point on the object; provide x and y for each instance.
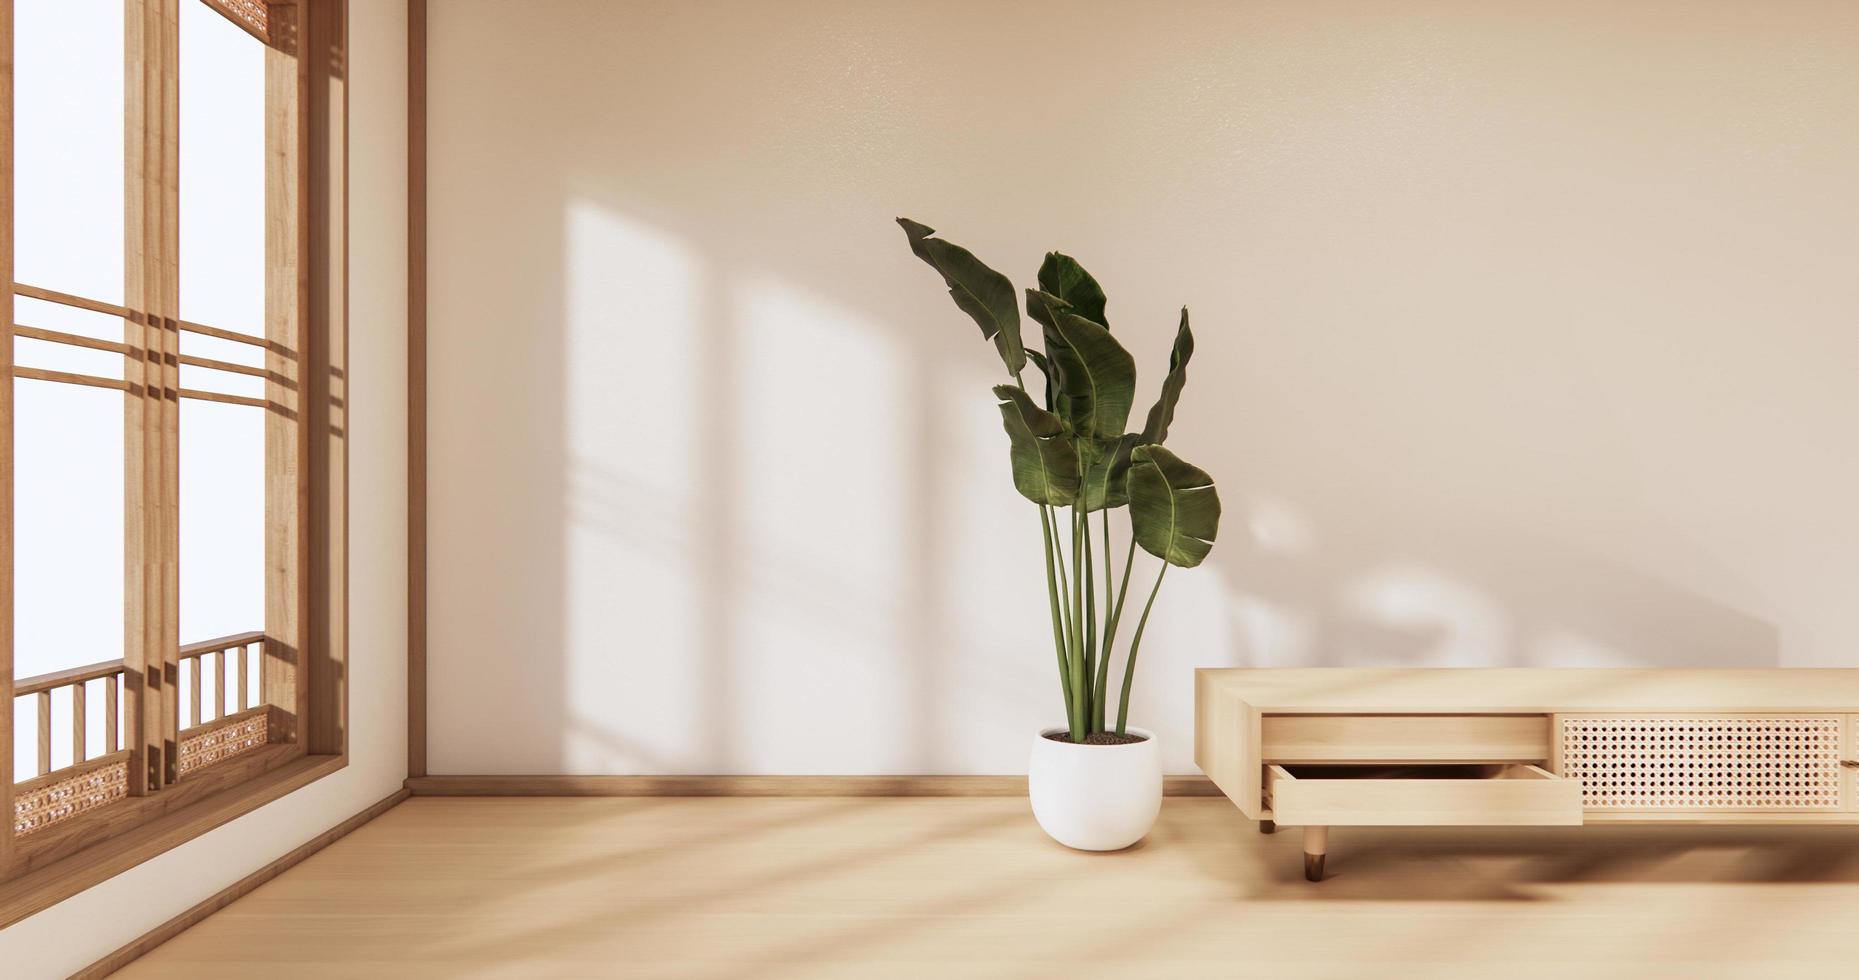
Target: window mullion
(287, 293)
(151, 429)
(6, 441)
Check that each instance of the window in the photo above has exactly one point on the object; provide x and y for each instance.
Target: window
(172, 433)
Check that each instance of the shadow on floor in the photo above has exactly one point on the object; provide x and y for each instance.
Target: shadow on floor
(1534, 864)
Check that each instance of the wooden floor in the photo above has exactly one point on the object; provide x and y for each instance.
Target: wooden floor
(873, 888)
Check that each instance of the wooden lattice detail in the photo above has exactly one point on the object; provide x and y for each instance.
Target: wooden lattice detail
(252, 15)
(221, 743)
(65, 798)
(1704, 762)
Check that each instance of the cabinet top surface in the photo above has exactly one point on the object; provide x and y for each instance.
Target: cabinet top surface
(1435, 690)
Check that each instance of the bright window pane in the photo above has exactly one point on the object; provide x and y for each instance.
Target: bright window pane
(222, 266)
(49, 356)
(222, 520)
(222, 172)
(67, 526)
(223, 382)
(232, 352)
(68, 143)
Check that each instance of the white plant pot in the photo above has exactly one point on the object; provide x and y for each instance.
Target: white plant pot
(1095, 797)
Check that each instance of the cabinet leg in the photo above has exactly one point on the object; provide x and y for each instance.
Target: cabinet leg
(1267, 827)
(1316, 845)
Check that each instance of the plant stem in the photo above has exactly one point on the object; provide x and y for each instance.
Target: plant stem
(1052, 595)
(1080, 696)
(1094, 694)
(1100, 700)
(1110, 567)
(1129, 665)
(1065, 606)
(1116, 619)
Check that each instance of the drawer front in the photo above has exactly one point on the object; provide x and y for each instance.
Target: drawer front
(1406, 738)
(1706, 762)
(1427, 795)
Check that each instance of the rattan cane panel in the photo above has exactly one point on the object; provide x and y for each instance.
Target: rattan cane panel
(220, 744)
(69, 797)
(1704, 762)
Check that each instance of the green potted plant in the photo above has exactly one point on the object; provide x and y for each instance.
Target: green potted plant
(1094, 785)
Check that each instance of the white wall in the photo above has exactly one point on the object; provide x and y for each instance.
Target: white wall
(76, 932)
(1525, 337)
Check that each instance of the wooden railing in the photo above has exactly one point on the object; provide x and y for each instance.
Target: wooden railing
(191, 659)
(87, 782)
(97, 774)
(77, 679)
(228, 732)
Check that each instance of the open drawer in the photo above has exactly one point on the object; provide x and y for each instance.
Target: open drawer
(1420, 795)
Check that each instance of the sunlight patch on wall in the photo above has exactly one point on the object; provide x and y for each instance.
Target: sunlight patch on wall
(827, 476)
(634, 381)
(1280, 528)
(1411, 614)
(1000, 664)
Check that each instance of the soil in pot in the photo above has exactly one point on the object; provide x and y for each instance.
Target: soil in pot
(1097, 738)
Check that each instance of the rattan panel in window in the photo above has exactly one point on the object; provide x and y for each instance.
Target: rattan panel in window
(1704, 762)
(68, 797)
(218, 744)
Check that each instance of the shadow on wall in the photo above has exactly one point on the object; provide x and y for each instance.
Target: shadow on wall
(719, 486)
(1461, 591)
(789, 544)
(750, 511)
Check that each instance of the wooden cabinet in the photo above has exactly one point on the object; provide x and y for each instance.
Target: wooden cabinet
(1442, 747)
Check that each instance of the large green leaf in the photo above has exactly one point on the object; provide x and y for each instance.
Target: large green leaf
(1105, 478)
(1045, 466)
(983, 294)
(1163, 412)
(1096, 376)
(1174, 508)
(1061, 275)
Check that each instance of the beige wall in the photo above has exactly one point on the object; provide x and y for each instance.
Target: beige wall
(76, 932)
(1526, 337)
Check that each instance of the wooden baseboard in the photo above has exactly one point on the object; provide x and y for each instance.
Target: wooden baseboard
(753, 786)
(231, 893)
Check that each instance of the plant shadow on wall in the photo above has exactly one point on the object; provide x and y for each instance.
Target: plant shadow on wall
(1459, 589)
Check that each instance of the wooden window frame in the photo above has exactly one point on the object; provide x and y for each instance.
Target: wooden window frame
(305, 648)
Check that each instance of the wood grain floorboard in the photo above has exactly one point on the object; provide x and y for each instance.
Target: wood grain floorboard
(968, 887)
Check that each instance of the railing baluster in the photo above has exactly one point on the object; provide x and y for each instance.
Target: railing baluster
(193, 695)
(78, 718)
(118, 733)
(44, 703)
(219, 683)
(109, 713)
